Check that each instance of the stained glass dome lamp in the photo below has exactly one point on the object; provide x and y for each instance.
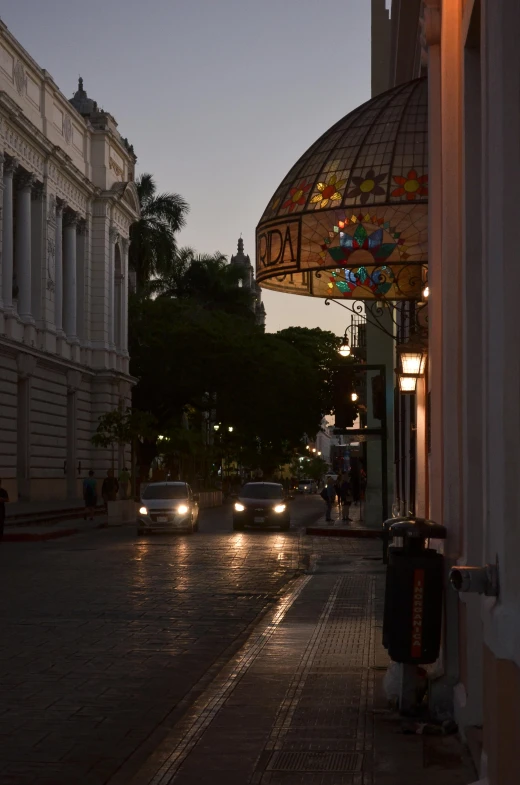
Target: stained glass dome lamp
(350, 220)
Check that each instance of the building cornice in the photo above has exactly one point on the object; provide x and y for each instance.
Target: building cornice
(49, 153)
(47, 78)
(13, 349)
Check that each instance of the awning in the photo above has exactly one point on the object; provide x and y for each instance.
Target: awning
(350, 220)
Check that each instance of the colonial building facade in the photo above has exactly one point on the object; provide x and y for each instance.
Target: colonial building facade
(67, 201)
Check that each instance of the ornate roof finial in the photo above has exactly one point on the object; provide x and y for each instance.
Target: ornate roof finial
(82, 102)
(240, 245)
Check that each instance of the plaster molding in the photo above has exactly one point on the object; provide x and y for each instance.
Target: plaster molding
(74, 380)
(27, 154)
(70, 218)
(10, 166)
(26, 365)
(20, 77)
(51, 263)
(26, 181)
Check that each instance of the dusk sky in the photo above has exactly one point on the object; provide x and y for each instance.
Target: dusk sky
(218, 97)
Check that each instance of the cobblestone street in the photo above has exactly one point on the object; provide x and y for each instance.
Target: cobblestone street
(220, 657)
(104, 634)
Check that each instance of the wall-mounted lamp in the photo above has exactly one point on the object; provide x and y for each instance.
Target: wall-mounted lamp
(407, 384)
(411, 359)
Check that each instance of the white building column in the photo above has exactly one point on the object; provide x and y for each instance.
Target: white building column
(10, 165)
(124, 296)
(58, 270)
(23, 246)
(69, 275)
(113, 237)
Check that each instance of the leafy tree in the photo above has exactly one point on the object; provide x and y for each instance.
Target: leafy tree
(261, 385)
(207, 279)
(313, 468)
(152, 237)
(321, 348)
(121, 426)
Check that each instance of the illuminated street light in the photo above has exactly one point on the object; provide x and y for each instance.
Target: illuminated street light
(354, 396)
(216, 427)
(344, 349)
(230, 429)
(160, 438)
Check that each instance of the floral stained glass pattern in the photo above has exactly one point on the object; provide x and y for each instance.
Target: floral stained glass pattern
(367, 186)
(328, 192)
(350, 218)
(297, 196)
(411, 186)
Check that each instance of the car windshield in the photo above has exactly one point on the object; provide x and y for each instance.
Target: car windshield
(305, 482)
(165, 492)
(262, 492)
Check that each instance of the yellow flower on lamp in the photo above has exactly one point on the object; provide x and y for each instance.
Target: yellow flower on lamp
(328, 192)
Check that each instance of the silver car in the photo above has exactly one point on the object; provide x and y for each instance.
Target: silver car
(168, 507)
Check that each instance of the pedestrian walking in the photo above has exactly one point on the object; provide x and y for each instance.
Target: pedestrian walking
(328, 495)
(4, 499)
(345, 497)
(109, 488)
(90, 495)
(124, 480)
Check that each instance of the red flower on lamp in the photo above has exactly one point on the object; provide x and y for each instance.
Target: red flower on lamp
(412, 185)
(297, 196)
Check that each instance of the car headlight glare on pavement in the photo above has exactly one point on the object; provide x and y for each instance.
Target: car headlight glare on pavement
(143, 511)
(182, 509)
(239, 507)
(280, 508)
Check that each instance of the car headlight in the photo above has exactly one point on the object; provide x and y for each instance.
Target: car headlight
(280, 508)
(143, 510)
(182, 509)
(239, 507)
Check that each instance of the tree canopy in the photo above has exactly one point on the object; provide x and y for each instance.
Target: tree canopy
(199, 357)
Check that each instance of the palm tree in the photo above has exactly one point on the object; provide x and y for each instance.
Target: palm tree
(152, 238)
(205, 278)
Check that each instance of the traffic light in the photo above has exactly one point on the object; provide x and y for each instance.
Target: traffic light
(345, 409)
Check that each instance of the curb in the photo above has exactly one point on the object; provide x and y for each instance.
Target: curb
(365, 534)
(36, 537)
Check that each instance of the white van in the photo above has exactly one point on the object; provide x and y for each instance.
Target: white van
(307, 486)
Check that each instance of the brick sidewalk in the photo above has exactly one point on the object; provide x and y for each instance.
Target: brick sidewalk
(302, 701)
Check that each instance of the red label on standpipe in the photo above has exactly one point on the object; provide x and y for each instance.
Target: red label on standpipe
(417, 613)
